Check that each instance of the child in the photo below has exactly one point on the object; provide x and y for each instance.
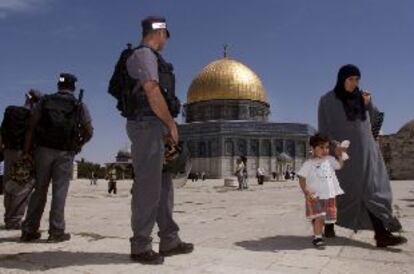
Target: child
(320, 185)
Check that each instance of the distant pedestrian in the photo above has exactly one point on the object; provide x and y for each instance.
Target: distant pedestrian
(111, 177)
(93, 178)
(239, 173)
(260, 176)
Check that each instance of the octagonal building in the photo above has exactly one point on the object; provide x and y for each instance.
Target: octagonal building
(227, 116)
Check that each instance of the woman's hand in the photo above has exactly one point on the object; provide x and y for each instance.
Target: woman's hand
(366, 95)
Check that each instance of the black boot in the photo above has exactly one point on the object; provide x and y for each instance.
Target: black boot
(29, 237)
(181, 248)
(329, 231)
(148, 257)
(57, 238)
(389, 240)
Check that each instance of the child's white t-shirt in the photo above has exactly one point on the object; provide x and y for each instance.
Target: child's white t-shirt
(320, 177)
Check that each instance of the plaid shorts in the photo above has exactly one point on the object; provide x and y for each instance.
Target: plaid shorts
(321, 208)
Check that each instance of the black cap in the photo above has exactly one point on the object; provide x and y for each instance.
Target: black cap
(154, 23)
(67, 78)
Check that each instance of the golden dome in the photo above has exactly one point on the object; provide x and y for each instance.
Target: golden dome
(226, 79)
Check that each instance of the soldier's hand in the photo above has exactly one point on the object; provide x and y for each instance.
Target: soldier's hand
(173, 133)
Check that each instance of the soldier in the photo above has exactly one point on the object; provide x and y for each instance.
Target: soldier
(60, 126)
(151, 126)
(14, 126)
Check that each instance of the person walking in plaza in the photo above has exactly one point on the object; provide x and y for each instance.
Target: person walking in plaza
(348, 113)
(320, 185)
(94, 178)
(111, 177)
(239, 173)
(60, 125)
(260, 175)
(13, 131)
(149, 128)
(245, 174)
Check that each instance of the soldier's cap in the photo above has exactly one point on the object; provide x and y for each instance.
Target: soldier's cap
(154, 23)
(67, 78)
(34, 95)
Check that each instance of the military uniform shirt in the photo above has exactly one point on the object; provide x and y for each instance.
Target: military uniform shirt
(142, 65)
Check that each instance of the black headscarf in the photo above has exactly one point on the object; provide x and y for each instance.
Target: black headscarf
(353, 102)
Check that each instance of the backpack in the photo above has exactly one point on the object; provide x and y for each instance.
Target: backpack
(14, 127)
(121, 85)
(59, 126)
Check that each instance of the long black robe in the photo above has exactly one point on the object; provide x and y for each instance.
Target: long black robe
(364, 177)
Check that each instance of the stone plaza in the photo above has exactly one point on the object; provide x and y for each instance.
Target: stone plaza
(261, 230)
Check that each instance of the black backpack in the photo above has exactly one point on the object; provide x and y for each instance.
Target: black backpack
(59, 126)
(14, 127)
(121, 85)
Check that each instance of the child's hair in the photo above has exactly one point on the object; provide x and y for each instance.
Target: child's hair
(318, 139)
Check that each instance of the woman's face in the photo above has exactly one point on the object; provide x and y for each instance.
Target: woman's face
(351, 83)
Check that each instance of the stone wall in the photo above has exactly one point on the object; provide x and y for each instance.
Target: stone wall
(398, 153)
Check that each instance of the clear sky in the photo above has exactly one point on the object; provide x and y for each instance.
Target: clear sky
(295, 46)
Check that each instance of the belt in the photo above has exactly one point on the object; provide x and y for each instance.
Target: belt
(143, 118)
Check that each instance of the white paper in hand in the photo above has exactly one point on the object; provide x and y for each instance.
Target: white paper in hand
(345, 144)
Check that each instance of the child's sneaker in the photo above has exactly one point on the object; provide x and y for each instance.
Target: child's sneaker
(318, 242)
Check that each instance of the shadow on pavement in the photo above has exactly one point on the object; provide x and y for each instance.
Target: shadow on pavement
(9, 240)
(292, 242)
(35, 261)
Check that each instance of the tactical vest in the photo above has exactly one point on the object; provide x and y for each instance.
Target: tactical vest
(166, 82)
(58, 125)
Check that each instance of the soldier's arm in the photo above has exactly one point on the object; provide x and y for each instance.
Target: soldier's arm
(86, 125)
(159, 106)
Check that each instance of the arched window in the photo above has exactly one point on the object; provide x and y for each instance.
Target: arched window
(202, 149)
(242, 147)
(229, 147)
(267, 149)
(290, 148)
(254, 147)
(301, 149)
(279, 146)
